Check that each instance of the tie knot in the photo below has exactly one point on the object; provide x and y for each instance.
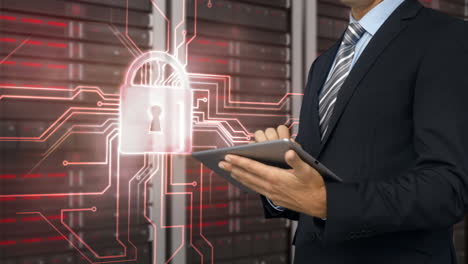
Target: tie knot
(353, 33)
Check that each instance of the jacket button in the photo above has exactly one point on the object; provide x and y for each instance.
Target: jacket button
(313, 236)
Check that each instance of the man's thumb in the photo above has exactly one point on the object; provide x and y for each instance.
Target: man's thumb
(294, 161)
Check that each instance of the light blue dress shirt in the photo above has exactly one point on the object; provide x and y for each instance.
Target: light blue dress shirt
(371, 22)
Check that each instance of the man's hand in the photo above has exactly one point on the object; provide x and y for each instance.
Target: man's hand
(301, 188)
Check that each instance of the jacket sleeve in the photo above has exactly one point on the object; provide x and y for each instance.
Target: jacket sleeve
(434, 193)
(271, 212)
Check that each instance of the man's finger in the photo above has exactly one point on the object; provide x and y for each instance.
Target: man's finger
(283, 132)
(250, 180)
(295, 162)
(252, 166)
(271, 134)
(260, 136)
(225, 166)
(254, 182)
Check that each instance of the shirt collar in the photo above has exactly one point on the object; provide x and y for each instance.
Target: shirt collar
(374, 19)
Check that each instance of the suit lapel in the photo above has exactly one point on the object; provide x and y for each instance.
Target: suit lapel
(389, 30)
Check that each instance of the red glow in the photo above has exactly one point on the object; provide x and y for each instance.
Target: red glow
(7, 220)
(56, 174)
(32, 198)
(7, 40)
(56, 24)
(9, 18)
(32, 175)
(32, 64)
(7, 199)
(57, 45)
(221, 223)
(9, 62)
(221, 188)
(32, 21)
(204, 59)
(221, 61)
(32, 240)
(32, 86)
(31, 219)
(55, 217)
(7, 243)
(204, 42)
(33, 42)
(57, 66)
(7, 176)
(221, 43)
(55, 238)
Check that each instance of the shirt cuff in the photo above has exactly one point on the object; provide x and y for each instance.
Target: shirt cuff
(281, 209)
(276, 207)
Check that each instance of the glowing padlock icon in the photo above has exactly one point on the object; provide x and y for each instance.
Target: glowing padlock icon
(156, 111)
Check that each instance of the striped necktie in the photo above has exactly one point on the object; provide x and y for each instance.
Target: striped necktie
(339, 73)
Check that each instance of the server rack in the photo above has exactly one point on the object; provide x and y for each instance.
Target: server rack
(52, 50)
(80, 50)
(251, 42)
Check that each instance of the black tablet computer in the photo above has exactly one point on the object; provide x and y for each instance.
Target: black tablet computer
(268, 152)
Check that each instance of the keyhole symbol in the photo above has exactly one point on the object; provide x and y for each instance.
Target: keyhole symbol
(156, 119)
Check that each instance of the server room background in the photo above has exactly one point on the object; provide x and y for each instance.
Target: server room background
(68, 196)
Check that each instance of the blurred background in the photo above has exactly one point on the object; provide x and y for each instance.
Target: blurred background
(66, 193)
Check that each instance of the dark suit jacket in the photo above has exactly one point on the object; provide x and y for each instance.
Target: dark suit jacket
(398, 136)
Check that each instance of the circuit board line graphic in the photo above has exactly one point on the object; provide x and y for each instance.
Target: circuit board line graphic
(140, 194)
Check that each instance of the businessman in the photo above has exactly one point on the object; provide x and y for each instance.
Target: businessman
(386, 109)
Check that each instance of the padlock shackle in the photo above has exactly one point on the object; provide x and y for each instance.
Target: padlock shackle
(152, 56)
